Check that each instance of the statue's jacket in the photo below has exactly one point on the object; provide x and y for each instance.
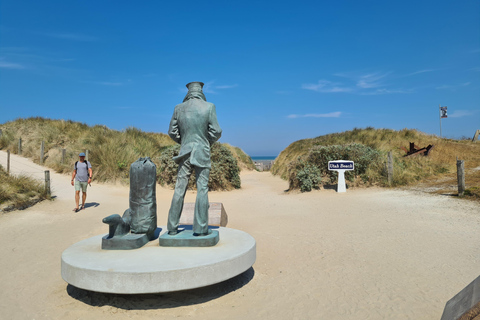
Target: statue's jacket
(194, 125)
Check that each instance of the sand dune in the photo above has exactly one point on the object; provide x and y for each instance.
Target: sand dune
(365, 254)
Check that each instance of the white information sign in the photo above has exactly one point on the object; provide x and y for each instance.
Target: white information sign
(341, 166)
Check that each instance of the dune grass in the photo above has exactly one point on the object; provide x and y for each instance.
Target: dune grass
(244, 160)
(441, 161)
(18, 192)
(111, 152)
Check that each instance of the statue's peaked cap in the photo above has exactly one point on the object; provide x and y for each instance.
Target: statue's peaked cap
(195, 86)
(195, 91)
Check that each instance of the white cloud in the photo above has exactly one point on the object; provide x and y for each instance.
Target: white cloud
(452, 87)
(461, 114)
(71, 36)
(419, 72)
(106, 83)
(226, 86)
(336, 114)
(325, 86)
(209, 87)
(385, 91)
(371, 80)
(10, 65)
(363, 84)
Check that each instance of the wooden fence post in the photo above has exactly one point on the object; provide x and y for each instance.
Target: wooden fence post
(47, 182)
(42, 152)
(390, 168)
(8, 161)
(86, 153)
(64, 151)
(475, 136)
(461, 176)
(20, 146)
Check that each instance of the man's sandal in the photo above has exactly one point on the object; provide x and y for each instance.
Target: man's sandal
(75, 210)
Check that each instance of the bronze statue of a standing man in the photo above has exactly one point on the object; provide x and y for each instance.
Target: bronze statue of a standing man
(194, 125)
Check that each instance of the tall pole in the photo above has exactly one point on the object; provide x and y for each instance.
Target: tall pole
(440, 118)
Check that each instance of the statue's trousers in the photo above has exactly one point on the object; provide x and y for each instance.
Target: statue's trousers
(200, 220)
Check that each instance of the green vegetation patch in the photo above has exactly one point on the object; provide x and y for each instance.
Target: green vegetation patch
(439, 164)
(19, 192)
(111, 152)
(224, 174)
(309, 171)
(244, 161)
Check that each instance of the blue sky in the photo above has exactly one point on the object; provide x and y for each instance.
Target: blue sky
(277, 71)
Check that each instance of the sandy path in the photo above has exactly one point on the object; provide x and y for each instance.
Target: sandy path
(366, 254)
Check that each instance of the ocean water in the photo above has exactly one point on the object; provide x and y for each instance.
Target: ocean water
(260, 158)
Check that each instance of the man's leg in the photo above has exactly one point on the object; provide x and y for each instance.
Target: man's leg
(184, 171)
(77, 198)
(84, 197)
(200, 219)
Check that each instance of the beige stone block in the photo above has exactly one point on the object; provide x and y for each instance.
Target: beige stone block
(217, 216)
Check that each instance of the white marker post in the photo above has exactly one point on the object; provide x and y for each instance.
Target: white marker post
(341, 166)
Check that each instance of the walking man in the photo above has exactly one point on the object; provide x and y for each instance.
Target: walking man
(81, 177)
(194, 125)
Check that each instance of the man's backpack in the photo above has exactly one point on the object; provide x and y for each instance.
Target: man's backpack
(86, 163)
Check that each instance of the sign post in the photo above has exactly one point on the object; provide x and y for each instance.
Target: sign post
(341, 166)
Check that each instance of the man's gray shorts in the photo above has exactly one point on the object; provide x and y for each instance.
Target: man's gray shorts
(81, 185)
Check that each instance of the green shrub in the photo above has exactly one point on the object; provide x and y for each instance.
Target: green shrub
(224, 174)
(306, 172)
(304, 176)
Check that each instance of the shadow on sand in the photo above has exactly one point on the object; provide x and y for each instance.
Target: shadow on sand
(161, 300)
(91, 205)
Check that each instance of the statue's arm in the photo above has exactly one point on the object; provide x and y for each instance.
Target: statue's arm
(173, 131)
(214, 130)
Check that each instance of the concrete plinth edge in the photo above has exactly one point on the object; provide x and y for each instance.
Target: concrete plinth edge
(154, 269)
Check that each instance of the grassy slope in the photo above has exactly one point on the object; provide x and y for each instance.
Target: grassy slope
(111, 151)
(244, 160)
(19, 192)
(408, 170)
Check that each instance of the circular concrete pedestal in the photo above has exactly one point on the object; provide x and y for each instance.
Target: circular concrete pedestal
(153, 269)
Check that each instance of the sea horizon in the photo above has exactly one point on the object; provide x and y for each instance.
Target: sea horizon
(260, 158)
